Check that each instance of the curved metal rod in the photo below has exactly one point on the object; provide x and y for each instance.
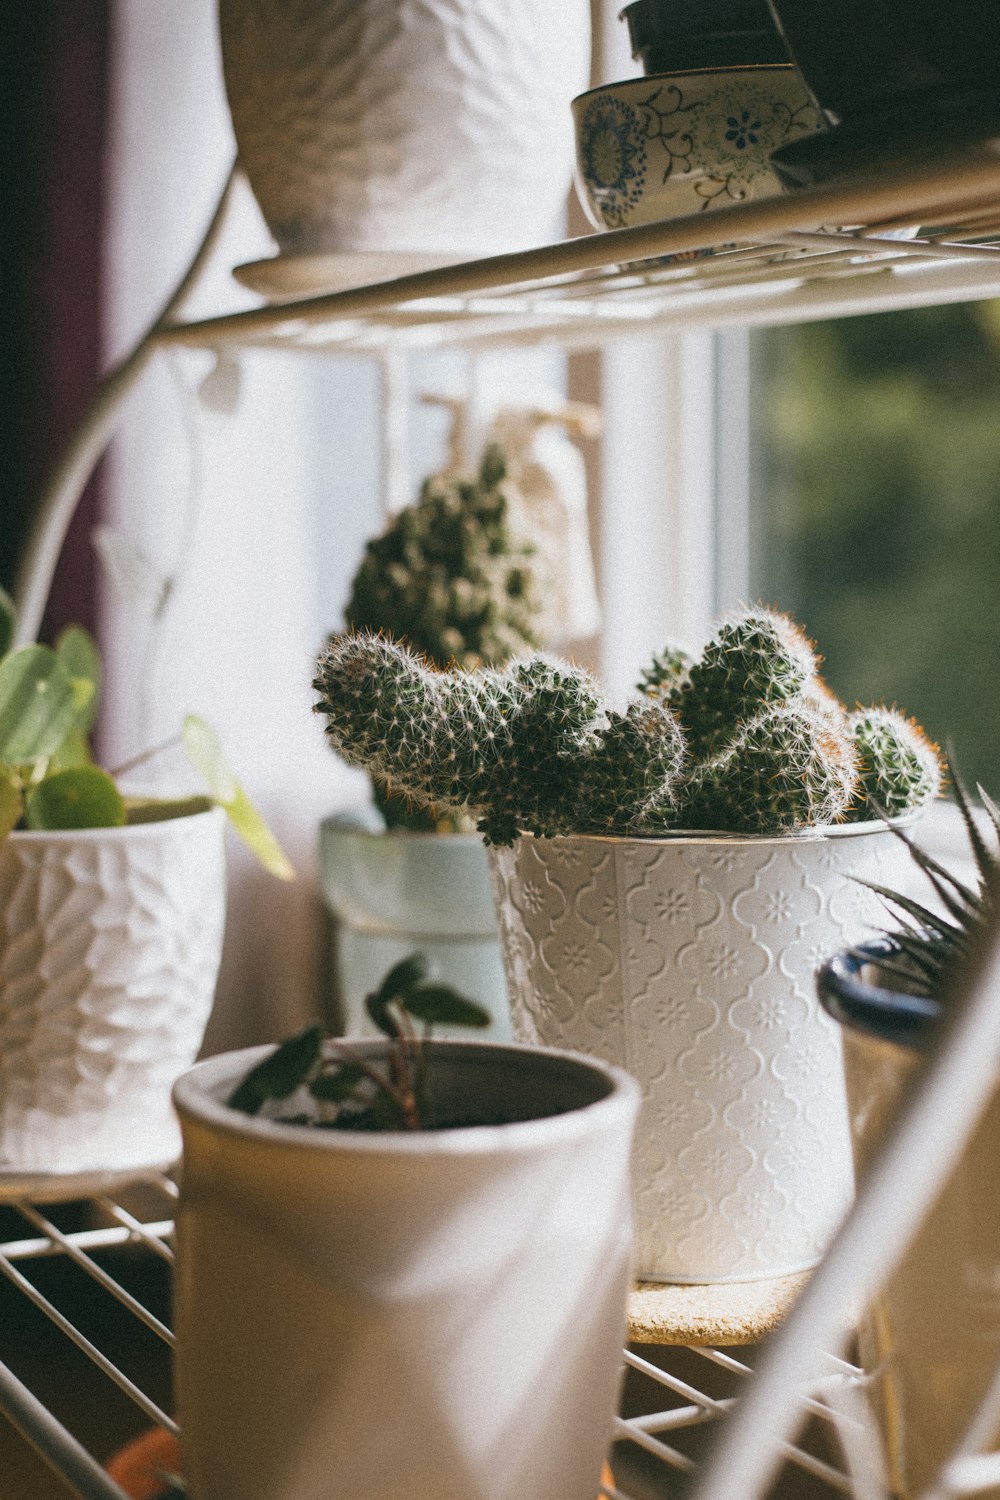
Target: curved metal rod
(61, 495)
(901, 1183)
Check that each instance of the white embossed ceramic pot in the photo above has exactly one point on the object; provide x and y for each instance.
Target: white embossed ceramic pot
(412, 126)
(680, 143)
(433, 1315)
(690, 962)
(110, 940)
(397, 892)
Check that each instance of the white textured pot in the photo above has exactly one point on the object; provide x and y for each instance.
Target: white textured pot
(690, 961)
(432, 1316)
(110, 940)
(406, 125)
(397, 893)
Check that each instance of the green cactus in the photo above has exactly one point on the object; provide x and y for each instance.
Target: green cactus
(506, 746)
(666, 674)
(789, 768)
(754, 660)
(756, 745)
(900, 769)
(449, 578)
(628, 781)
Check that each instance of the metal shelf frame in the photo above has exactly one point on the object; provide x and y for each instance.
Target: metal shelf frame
(766, 262)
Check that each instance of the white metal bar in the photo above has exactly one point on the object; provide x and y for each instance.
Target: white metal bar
(902, 1181)
(89, 1239)
(50, 1440)
(79, 1257)
(105, 1365)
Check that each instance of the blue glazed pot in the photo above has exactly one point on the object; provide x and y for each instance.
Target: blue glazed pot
(848, 989)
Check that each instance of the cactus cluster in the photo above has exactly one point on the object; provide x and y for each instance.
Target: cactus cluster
(747, 738)
(450, 579)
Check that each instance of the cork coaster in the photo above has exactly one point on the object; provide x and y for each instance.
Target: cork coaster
(733, 1313)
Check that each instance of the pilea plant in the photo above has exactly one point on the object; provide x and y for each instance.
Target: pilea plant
(450, 579)
(48, 780)
(746, 738)
(342, 1088)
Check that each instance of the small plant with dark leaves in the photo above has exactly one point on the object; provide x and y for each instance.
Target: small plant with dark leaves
(332, 1085)
(931, 946)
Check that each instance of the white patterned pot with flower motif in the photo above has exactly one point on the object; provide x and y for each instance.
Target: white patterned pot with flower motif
(679, 143)
(690, 962)
(110, 940)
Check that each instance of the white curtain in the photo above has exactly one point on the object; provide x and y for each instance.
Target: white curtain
(221, 504)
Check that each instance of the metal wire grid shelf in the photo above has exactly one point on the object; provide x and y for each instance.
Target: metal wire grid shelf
(672, 1398)
(769, 261)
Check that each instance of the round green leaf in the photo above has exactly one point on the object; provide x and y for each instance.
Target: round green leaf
(281, 1072)
(79, 654)
(81, 798)
(38, 705)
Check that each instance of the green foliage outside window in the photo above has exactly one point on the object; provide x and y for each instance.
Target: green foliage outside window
(876, 510)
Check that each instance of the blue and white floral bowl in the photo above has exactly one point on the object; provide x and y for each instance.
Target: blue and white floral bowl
(681, 143)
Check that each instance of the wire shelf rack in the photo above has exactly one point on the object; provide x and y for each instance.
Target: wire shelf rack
(98, 1319)
(928, 235)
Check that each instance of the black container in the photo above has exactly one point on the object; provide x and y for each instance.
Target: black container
(895, 78)
(681, 36)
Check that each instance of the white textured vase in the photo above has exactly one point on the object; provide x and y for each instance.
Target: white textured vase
(110, 940)
(690, 962)
(406, 125)
(433, 1315)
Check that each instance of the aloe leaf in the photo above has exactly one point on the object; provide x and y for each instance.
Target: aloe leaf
(79, 654)
(440, 1005)
(281, 1073)
(38, 705)
(986, 863)
(81, 798)
(207, 756)
(8, 621)
(922, 914)
(11, 801)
